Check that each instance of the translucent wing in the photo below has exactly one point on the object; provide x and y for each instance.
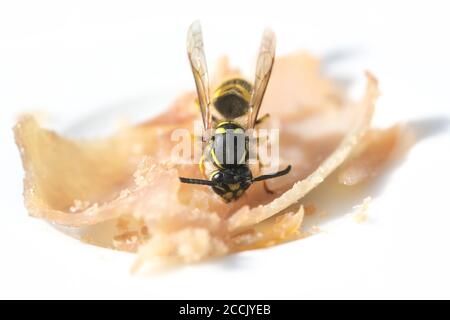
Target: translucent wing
(197, 59)
(264, 65)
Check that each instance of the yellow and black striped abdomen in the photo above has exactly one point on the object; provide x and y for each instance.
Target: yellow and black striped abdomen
(231, 99)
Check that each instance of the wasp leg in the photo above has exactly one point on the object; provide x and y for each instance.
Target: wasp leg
(266, 187)
(262, 119)
(260, 165)
(261, 139)
(258, 140)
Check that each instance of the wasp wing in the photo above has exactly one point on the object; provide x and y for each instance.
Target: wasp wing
(264, 66)
(197, 59)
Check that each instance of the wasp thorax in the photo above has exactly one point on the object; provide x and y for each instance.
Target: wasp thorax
(231, 183)
(229, 145)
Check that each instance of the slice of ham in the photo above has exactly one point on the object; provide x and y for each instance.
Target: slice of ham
(123, 192)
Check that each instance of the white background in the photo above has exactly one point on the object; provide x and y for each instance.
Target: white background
(72, 59)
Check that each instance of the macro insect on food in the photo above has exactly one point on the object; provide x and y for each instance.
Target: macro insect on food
(225, 159)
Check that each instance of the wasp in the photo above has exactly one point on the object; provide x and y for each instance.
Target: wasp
(236, 104)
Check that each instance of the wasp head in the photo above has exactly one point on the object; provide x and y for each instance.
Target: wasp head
(231, 183)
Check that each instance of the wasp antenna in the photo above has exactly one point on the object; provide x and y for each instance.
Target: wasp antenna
(196, 181)
(273, 175)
